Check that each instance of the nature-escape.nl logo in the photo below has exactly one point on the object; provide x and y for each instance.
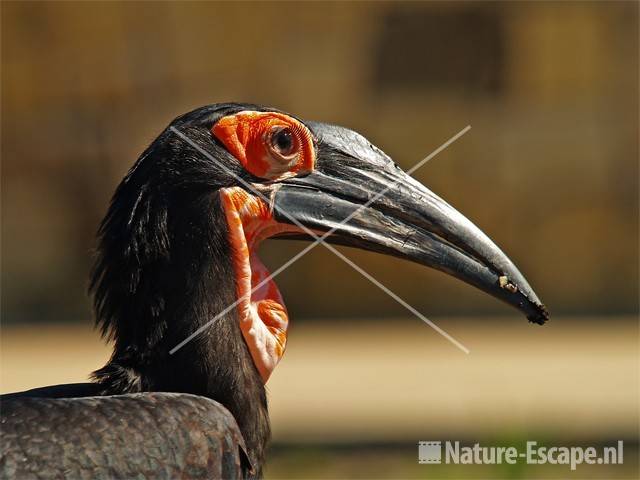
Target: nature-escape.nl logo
(451, 452)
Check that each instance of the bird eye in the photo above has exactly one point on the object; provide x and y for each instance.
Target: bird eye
(284, 143)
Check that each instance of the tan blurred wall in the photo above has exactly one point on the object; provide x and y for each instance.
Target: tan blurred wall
(398, 379)
(549, 169)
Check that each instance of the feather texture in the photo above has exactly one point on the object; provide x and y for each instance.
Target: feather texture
(149, 435)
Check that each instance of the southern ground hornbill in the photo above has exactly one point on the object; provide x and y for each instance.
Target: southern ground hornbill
(178, 246)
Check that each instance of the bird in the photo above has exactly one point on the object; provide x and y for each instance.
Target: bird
(177, 260)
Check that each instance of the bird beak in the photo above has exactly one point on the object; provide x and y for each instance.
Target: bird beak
(364, 200)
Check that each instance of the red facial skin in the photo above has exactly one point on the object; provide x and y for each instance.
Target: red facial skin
(262, 314)
(245, 135)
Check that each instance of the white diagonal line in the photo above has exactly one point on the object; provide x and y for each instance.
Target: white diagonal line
(433, 154)
(272, 275)
(397, 298)
(320, 239)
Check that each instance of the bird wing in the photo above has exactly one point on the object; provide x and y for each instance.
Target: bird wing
(141, 435)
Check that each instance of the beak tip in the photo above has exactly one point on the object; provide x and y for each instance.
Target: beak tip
(540, 316)
(526, 299)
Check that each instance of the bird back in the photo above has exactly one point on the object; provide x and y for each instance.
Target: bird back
(141, 435)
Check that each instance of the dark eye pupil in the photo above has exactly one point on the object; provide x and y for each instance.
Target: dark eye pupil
(283, 141)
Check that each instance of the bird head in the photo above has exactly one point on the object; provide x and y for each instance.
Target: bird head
(236, 174)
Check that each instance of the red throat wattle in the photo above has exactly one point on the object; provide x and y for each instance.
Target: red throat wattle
(272, 146)
(262, 314)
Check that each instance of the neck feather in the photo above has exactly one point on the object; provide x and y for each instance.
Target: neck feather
(162, 271)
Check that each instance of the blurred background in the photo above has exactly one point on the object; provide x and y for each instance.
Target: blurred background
(549, 170)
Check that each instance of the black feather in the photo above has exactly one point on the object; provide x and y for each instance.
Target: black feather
(163, 269)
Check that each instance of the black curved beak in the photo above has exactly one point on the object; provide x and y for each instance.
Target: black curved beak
(390, 212)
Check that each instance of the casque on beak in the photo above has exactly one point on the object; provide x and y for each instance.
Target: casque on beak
(407, 221)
